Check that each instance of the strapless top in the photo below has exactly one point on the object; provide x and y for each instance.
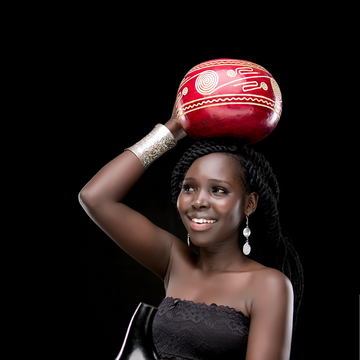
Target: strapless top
(184, 330)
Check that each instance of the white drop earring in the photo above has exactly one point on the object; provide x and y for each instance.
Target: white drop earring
(247, 232)
(188, 240)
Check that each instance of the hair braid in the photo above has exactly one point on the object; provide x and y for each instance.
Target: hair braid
(277, 251)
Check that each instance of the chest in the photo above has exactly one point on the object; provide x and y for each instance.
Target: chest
(231, 289)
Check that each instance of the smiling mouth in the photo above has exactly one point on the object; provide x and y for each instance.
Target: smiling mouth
(202, 221)
(201, 224)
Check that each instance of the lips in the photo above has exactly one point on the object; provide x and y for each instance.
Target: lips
(201, 223)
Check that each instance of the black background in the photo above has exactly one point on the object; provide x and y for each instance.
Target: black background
(104, 78)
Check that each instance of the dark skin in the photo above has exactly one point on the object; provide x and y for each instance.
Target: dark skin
(220, 273)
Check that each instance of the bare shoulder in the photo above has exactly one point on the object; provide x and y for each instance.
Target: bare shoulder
(270, 276)
(270, 283)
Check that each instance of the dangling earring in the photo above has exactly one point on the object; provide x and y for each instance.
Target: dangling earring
(188, 240)
(247, 232)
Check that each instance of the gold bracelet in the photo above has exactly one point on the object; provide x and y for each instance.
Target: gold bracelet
(153, 145)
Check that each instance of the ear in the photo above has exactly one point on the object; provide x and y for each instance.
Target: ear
(252, 201)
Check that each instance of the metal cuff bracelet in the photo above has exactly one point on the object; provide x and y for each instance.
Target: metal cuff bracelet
(153, 145)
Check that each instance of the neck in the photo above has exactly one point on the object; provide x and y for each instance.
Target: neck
(222, 257)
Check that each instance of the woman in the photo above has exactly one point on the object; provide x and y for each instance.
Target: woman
(219, 303)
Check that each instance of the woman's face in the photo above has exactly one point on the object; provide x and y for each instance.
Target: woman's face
(212, 202)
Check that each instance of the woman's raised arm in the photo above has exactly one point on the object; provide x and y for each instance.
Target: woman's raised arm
(101, 198)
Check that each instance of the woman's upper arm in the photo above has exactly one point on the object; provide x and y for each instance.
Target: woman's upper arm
(271, 318)
(134, 233)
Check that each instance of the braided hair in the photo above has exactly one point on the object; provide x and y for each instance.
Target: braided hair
(272, 247)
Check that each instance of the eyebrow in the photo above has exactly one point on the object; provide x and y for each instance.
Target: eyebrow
(210, 180)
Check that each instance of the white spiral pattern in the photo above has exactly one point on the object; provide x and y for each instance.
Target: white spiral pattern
(206, 82)
(231, 73)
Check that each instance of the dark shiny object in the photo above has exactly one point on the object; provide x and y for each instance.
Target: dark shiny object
(138, 343)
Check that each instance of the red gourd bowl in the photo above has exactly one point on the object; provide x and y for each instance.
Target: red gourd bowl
(228, 97)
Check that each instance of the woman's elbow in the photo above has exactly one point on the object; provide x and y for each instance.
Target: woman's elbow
(87, 198)
(81, 197)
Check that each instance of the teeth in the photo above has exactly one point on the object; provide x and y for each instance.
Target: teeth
(202, 221)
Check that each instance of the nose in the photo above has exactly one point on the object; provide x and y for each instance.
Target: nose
(201, 200)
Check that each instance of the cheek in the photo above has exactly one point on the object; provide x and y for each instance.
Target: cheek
(237, 214)
(182, 203)
(232, 212)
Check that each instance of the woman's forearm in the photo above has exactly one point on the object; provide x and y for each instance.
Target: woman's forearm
(113, 181)
(116, 178)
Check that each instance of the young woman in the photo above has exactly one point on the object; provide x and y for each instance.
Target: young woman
(219, 303)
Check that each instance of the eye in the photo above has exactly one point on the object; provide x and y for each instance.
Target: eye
(188, 188)
(220, 190)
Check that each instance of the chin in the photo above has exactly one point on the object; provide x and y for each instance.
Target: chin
(203, 239)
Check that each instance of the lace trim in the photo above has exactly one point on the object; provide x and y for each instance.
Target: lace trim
(202, 305)
(186, 330)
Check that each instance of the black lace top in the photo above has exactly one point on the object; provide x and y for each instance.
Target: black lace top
(184, 330)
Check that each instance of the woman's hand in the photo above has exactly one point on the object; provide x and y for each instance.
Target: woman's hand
(174, 126)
